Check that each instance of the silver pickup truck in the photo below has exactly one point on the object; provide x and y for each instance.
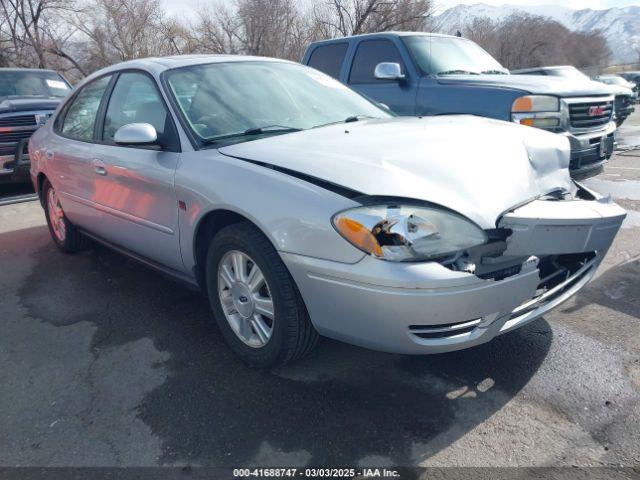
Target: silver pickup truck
(27, 99)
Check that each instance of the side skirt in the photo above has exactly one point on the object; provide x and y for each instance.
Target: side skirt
(189, 281)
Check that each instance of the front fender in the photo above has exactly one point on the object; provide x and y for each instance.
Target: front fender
(295, 215)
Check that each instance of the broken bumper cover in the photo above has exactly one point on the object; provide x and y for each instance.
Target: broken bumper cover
(421, 308)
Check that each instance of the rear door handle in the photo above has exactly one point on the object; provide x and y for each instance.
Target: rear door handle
(48, 155)
(99, 167)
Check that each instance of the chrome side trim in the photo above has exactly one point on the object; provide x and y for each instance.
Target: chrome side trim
(117, 213)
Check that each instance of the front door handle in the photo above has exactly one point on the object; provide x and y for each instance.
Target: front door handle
(99, 167)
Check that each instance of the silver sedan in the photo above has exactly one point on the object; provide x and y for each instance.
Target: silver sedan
(302, 208)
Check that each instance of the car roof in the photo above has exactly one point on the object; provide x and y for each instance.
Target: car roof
(157, 65)
(550, 67)
(4, 69)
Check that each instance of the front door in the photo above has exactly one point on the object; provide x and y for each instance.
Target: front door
(133, 187)
(398, 95)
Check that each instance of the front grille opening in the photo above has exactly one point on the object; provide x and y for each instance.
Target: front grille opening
(556, 271)
(18, 121)
(590, 114)
(444, 330)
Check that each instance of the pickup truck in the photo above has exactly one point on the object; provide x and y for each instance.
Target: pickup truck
(433, 74)
(28, 97)
(623, 92)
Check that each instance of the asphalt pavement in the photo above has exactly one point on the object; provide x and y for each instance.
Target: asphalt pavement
(107, 363)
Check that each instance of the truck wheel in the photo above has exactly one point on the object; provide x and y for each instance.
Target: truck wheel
(254, 299)
(64, 234)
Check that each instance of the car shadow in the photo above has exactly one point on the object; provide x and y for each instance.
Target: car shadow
(616, 289)
(340, 406)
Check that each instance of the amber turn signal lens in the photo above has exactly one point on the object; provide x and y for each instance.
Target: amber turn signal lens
(359, 235)
(523, 104)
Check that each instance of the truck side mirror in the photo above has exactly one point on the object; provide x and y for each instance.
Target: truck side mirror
(388, 71)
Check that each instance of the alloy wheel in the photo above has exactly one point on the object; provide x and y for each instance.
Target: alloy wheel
(245, 298)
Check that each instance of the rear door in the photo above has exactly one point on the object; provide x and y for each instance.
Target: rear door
(133, 187)
(398, 95)
(70, 151)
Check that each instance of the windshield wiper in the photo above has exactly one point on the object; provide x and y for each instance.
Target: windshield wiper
(458, 72)
(355, 118)
(249, 132)
(494, 72)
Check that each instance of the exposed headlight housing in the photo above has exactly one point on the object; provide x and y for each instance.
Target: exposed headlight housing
(542, 111)
(405, 233)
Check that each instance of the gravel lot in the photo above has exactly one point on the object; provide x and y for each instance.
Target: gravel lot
(106, 363)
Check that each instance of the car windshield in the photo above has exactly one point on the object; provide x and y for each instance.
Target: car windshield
(450, 56)
(232, 102)
(568, 72)
(614, 81)
(32, 83)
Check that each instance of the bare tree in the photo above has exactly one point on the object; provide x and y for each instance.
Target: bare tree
(275, 28)
(524, 40)
(354, 17)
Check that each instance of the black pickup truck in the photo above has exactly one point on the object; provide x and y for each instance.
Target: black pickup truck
(27, 99)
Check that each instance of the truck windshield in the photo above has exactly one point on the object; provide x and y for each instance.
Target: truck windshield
(451, 56)
(31, 83)
(233, 102)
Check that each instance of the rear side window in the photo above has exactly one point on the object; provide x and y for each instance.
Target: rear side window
(328, 58)
(80, 117)
(369, 54)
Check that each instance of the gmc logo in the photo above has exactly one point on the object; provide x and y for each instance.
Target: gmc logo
(595, 111)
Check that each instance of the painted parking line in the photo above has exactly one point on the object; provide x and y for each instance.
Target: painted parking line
(18, 199)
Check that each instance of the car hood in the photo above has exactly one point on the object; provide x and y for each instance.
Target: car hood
(533, 84)
(27, 104)
(476, 166)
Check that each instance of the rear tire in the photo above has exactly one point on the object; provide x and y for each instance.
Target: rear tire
(64, 234)
(289, 334)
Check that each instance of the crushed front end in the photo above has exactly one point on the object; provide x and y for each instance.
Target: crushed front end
(539, 255)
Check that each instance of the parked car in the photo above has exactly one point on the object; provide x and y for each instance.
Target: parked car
(431, 74)
(301, 208)
(633, 77)
(624, 95)
(27, 99)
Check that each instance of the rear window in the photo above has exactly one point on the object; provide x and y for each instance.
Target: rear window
(328, 58)
(370, 54)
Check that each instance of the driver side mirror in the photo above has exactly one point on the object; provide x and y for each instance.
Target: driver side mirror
(388, 71)
(136, 134)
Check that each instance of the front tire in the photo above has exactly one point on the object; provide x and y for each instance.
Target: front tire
(64, 234)
(255, 301)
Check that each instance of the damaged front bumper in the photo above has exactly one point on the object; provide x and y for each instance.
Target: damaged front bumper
(552, 251)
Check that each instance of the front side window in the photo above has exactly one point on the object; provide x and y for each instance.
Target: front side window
(32, 83)
(135, 99)
(436, 55)
(328, 58)
(369, 54)
(225, 103)
(80, 117)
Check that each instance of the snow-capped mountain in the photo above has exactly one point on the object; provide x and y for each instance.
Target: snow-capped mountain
(620, 26)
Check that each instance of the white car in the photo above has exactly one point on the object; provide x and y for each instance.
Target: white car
(302, 208)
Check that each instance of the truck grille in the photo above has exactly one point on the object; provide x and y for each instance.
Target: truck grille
(14, 137)
(18, 121)
(590, 114)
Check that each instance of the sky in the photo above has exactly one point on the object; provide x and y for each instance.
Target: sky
(188, 8)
